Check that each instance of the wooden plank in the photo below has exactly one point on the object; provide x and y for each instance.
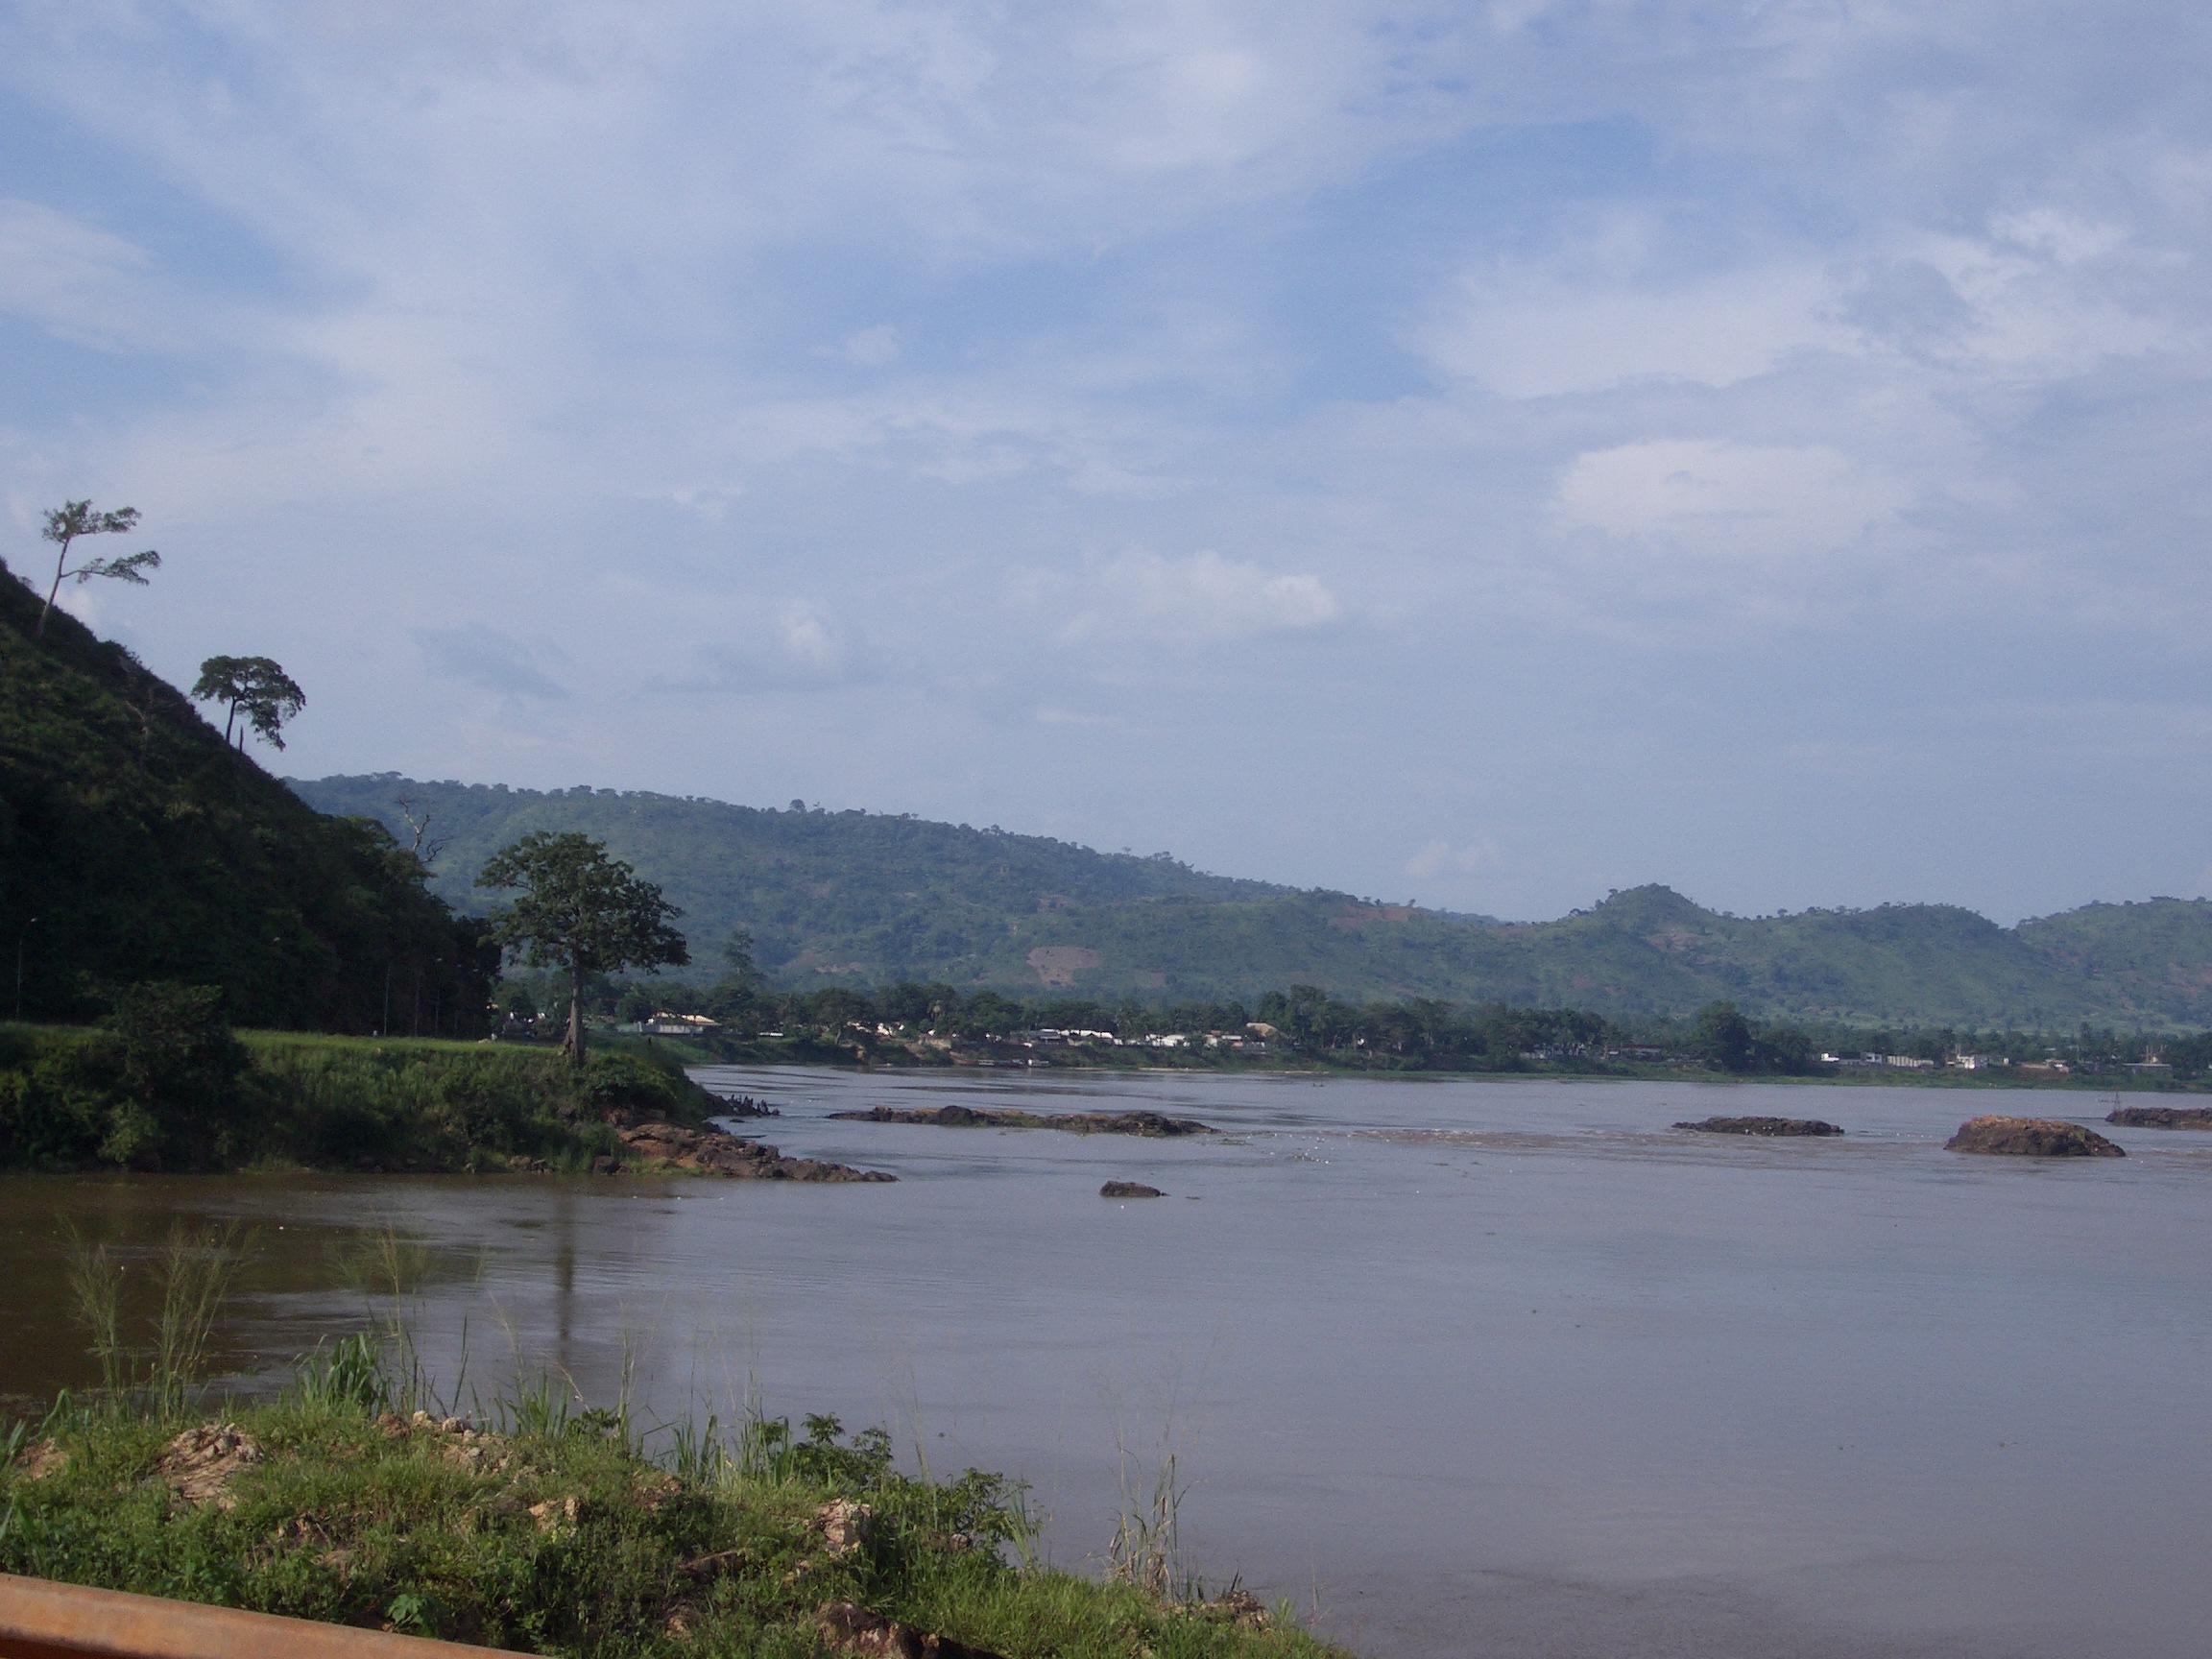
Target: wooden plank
(42, 1619)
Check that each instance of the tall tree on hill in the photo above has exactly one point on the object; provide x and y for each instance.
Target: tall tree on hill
(583, 911)
(255, 687)
(424, 848)
(65, 523)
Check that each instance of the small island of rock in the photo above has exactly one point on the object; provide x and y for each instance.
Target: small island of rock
(2031, 1138)
(1761, 1126)
(1129, 1189)
(663, 1146)
(2162, 1117)
(1152, 1125)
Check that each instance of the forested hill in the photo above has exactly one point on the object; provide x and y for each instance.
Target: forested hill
(136, 844)
(860, 897)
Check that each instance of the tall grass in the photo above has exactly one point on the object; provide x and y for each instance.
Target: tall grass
(388, 1269)
(193, 1275)
(197, 1270)
(1145, 1552)
(348, 1375)
(95, 1281)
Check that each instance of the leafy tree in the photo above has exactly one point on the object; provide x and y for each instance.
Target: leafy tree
(905, 1003)
(836, 1007)
(256, 687)
(65, 523)
(738, 967)
(583, 911)
(225, 679)
(1721, 1037)
(1304, 1013)
(1785, 1048)
(986, 1014)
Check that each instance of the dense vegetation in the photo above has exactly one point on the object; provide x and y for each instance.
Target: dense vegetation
(861, 899)
(162, 1083)
(135, 845)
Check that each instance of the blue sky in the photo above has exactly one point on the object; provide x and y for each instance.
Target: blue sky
(1485, 454)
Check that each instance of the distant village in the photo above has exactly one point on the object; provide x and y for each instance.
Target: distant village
(1253, 1039)
(2149, 1066)
(1258, 1039)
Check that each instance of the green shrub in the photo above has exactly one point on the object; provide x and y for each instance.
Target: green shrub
(623, 1081)
(54, 1110)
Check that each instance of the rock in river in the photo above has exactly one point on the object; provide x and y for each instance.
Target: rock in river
(1129, 1189)
(1761, 1126)
(2162, 1117)
(2031, 1138)
(713, 1152)
(744, 1106)
(1152, 1125)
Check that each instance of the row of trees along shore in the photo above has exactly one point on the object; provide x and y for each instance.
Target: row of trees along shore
(1305, 1022)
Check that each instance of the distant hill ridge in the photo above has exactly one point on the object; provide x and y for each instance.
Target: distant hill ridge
(869, 898)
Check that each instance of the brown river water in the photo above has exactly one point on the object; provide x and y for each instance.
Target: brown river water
(1505, 1368)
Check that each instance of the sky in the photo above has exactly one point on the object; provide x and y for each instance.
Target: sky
(1483, 454)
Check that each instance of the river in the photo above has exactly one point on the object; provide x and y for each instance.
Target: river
(1506, 1367)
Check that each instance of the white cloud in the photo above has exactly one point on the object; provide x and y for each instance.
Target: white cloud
(1719, 499)
(491, 659)
(2056, 235)
(711, 502)
(1443, 859)
(1530, 330)
(2044, 294)
(753, 646)
(871, 348)
(1202, 597)
(83, 282)
(809, 639)
(1053, 714)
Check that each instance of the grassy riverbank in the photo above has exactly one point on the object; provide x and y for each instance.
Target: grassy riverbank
(173, 1097)
(553, 1532)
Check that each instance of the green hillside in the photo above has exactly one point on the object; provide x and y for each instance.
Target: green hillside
(135, 845)
(859, 897)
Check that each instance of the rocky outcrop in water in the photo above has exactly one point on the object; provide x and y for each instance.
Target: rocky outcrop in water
(1129, 1189)
(2031, 1138)
(1151, 1125)
(1761, 1126)
(744, 1106)
(2162, 1117)
(665, 1145)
